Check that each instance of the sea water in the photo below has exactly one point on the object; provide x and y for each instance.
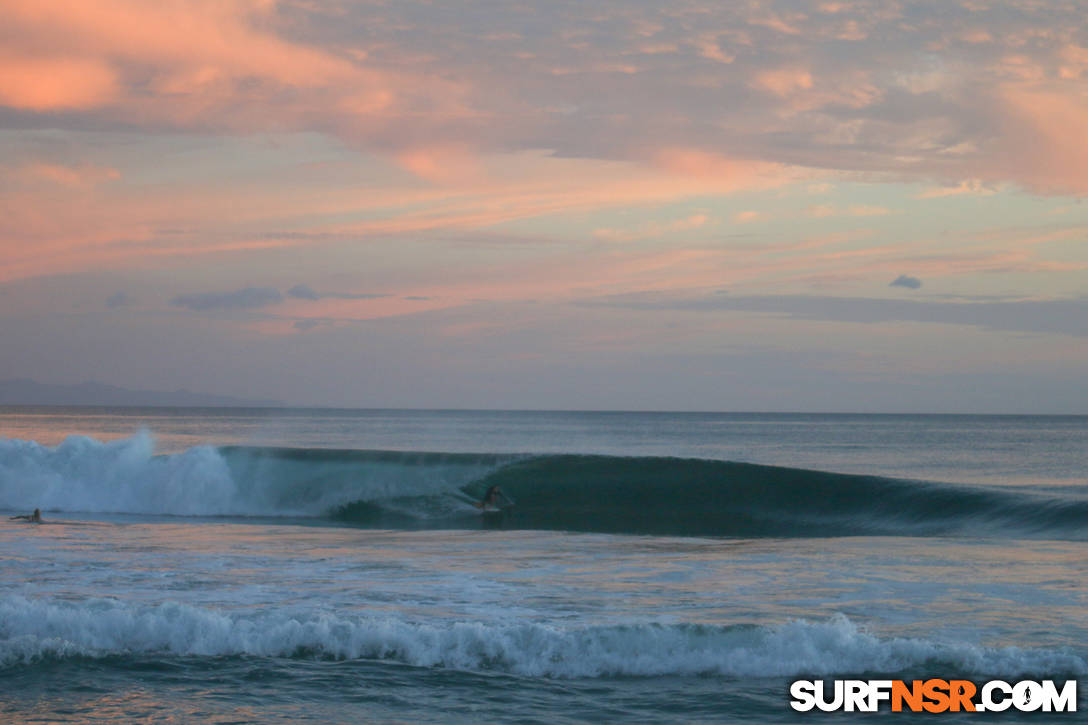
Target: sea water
(223, 565)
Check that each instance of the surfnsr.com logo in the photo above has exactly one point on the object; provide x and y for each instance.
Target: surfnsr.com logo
(933, 695)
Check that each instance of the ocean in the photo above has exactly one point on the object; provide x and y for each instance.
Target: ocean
(268, 565)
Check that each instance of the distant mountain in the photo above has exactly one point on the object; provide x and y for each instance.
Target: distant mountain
(31, 392)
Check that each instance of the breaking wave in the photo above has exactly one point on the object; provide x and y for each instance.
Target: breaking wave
(35, 630)
(630, 495)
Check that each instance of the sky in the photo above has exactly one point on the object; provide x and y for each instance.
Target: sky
(747, 206)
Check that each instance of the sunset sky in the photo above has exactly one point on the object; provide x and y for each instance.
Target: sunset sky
(772, 206)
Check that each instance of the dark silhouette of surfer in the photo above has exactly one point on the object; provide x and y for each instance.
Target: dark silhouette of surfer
(494, 500)
(35, 518)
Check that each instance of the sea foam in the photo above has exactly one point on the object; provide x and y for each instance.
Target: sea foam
(122, 476)
(125, 476)
(32, 630)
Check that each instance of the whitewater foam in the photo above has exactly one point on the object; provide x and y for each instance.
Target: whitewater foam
(32, 630)
(122, 476)
(125, 476)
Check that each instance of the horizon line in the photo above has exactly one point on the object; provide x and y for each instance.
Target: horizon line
(616, 411)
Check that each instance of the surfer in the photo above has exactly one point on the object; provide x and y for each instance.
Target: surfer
(35, 517)
(493, 499)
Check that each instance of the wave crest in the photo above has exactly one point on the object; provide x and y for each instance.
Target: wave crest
(608, 494)
(33, 630)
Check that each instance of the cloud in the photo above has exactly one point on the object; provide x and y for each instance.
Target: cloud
(867, 210)
(651, 229)
(783, 81)
(305, 292)
(71, 176)
(439, 164)
(304, 325)
(231, 65)
(1060, 316)
(1043, 146)
(118, 299)
(744, 217)
(459, 143)
(906, 281)
(967, 186)
(821, 211)
(889, 89)
(243, 299)
(55, 84)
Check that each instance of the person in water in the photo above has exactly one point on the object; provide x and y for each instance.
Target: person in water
(494, 498)
(35, 517)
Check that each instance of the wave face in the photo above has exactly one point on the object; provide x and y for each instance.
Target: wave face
(649, 495)
(124, 476)
(33, 630)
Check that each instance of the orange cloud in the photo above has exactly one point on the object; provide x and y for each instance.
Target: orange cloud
(180, 42)
(84, 175)
(239, 65)
(801, 91)
(699, 164)
(744, 217)
(441, 163)
(1074, 62)
(206, 63)
(783, 81)
(428, 103)
(82, 223)
(55, 83)
(710, 47)
(788, 26)
(1044, 143)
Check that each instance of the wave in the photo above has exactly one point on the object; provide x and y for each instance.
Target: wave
(32, 631)
(607, 494)
(125, 476)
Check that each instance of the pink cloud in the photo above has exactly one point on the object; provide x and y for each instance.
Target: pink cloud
(967, 186)
(790, 25)
(183, 44)
(206, 64)
(783, 81)
(83, 175)
(854, 210)
(508, 139)
(699, 164)
(710, 47)
(55, 83)
(1074, 62)
(440, 163)
(744, 217)
(652, 229)
(85, 223)
(421, 95)
(1044, 145)
(801, 91)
